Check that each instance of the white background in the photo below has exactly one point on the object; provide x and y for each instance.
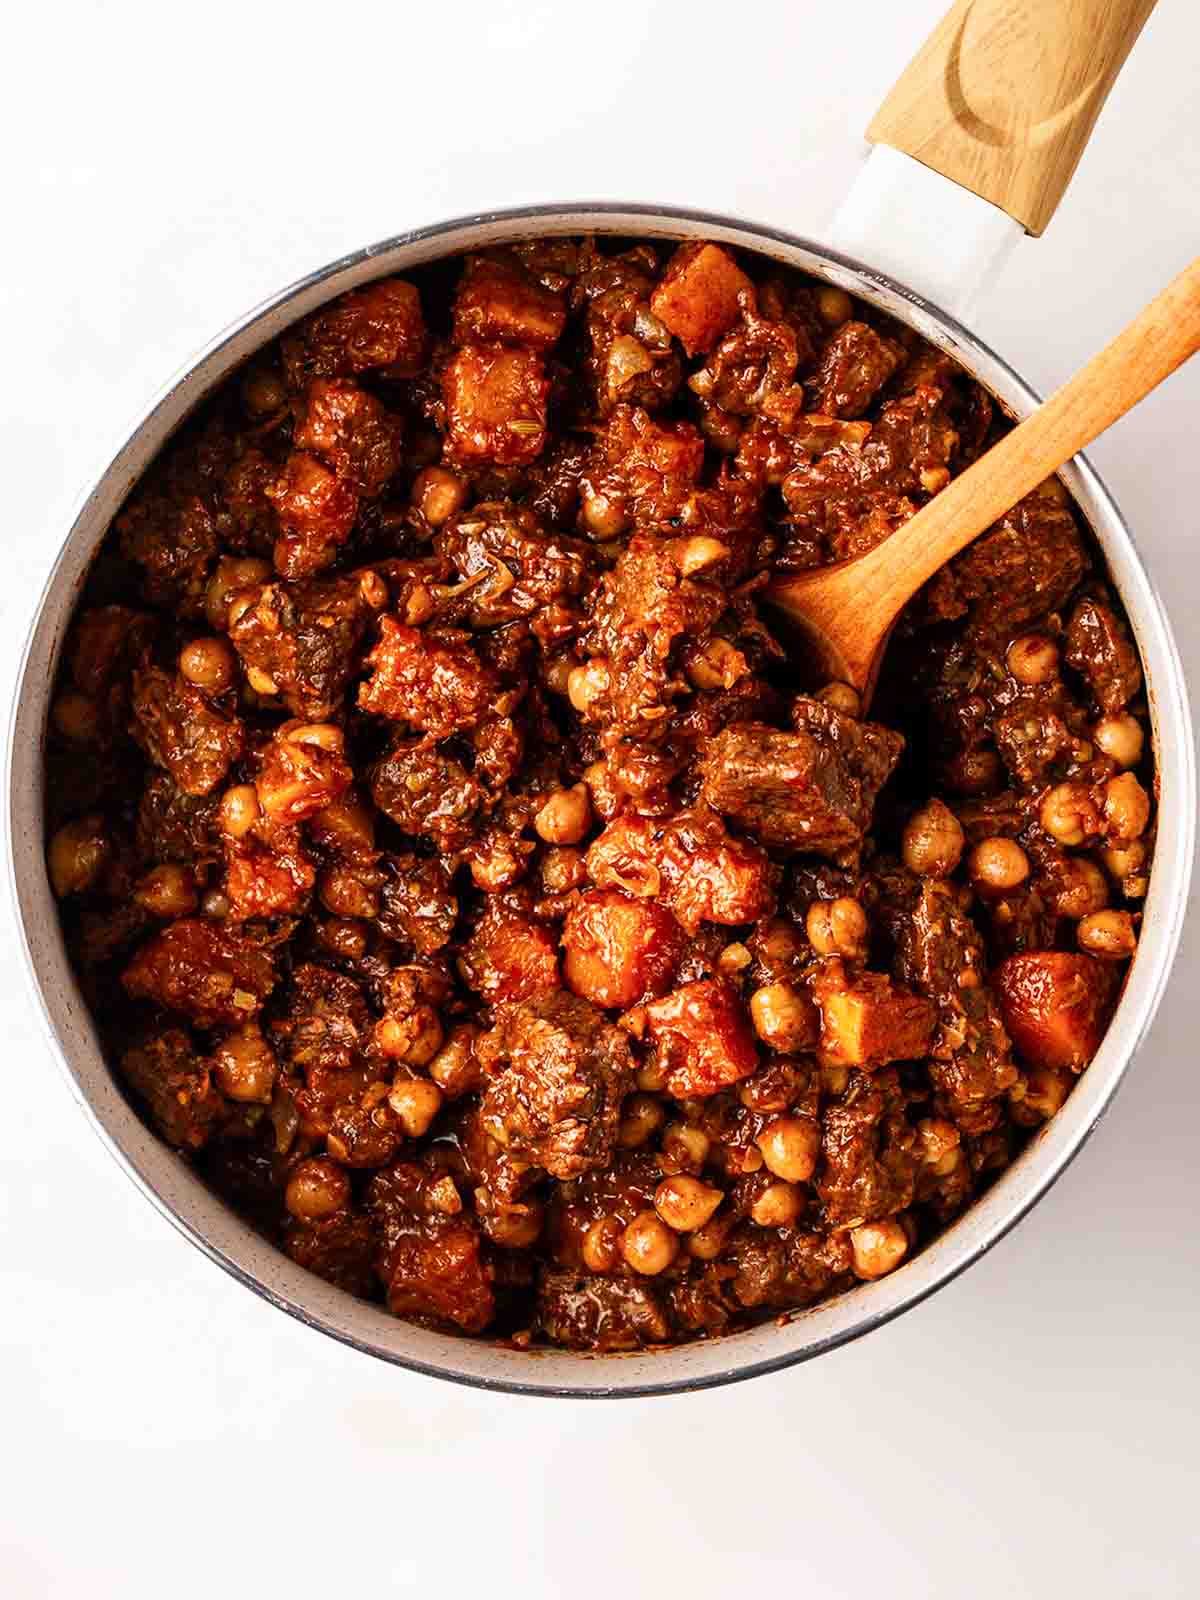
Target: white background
(1030, 1431)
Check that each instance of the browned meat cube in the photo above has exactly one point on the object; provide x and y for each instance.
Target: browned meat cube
(703, 1037)
(1024, 566)
(178, 728)
(1056, 1006)
(323, 1026)
(440, 687)
(495, 402)
(555, 1074)
(272, 879)
(1098, 646)
(435, 1272)
(871, 1021)
(174, 826)
(813, 789)
(498, 302)
(341, 1249)
(642, 470)
(378, 327)
(200, 970)
(108, 640)
(427, 793)
(584, 1312)
(303, 770)
(516, 566)
(173, 538)
(940, 953)
(869, 1152)
(509, 956)
(855, 365)
(316, 511)
(418, 905)
(697, 296)
(246, 502)
(304, 638)
(174, 1084)
(773, 1268)
(350, 430)
(617, 950)
(752, 364)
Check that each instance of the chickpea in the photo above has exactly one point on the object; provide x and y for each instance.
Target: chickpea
(1120, 738)
(777, 1206)
(77, 717)
(324, 735)
(783, 1017)
(345, 825)
(940, 1141)
(416, 1038)
(316, 1189)
(834, 306)
(877, 1247)
(438, 494)
(208, 663)
(601, 1244)
(1126, 807)
(563, 869)
(933, 841)
(733, 959)
(606, 797)
(722, 431)
(837, 927)
(239, 810)
(261, 682)
(454, 1068)
(651, 1076)
(648, 1245)
(232, 575)
(684, 1203)
(215, 904)
(1082, 891)
(496, 863)
(1066, 813)
(587, 684)
(693, 554)
(790, 1147)
(998, 864)
(604, 516)
(416, 1102)
(686, 1145)
(244, 1066)
(842, 698)
(374, 590)
(77, 855)
(566, 816)
(345, 895)
(718, 666)
(707, 1242)
(167, 891)
(515, 1227)
(263, 392)
(1107, 933)
(642, 1115)
(1032, 659)
(1122, 860)
(344, 937)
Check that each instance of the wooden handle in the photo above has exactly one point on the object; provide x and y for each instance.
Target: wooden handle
(1158, 340)
(1003, 96)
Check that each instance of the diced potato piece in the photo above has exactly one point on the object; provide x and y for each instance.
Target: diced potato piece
(703, 1037)
(873, 1021)
(618, 950)
(495, 405)
(698, 295)
(499, 303)
(1055, 1006)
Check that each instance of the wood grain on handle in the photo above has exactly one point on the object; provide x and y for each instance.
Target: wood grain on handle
(1003, 95)
(1154, 344)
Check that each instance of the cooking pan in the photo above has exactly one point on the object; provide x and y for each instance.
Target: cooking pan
(972, 150)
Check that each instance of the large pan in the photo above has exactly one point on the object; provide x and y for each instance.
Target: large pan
(1001, 99)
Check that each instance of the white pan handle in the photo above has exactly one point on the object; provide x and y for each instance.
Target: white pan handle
(976, 143)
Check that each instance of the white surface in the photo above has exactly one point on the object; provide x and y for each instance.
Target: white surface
(1030, 1431)
(925, 231)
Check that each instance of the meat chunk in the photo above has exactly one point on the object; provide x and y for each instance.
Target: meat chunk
(697, 296)
(437, 686)
(380, 327)
(813, 789)
(316, 511)
(173, 537)
(871, 1021)
(351, 432)
(435, 1272)
(691, 862)
(304, 637)
(703, 1038)
(341, 1249)
(617, 950)
(555, 1075)
(509, 955)
(267, 878)
(418, 905)
(631, 356)
(869, 1152)
(178, 728)
(498, 302)
(514, 567)
(495, 401)
(1023, 567)
(108, 641)
(174, 826)
(200, 970)
(174, 1084)
(1055, 1006)
(427, 793)
(855, 365)
(1098, 646)
(584, 1312)
(303, 769)
(642, 470)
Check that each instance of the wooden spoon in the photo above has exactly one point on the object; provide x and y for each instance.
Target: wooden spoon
(846, 612)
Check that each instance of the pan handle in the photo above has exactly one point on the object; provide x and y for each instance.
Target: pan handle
(1003, 95)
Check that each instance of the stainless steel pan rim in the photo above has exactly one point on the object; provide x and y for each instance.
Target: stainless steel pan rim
(168, 1183)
